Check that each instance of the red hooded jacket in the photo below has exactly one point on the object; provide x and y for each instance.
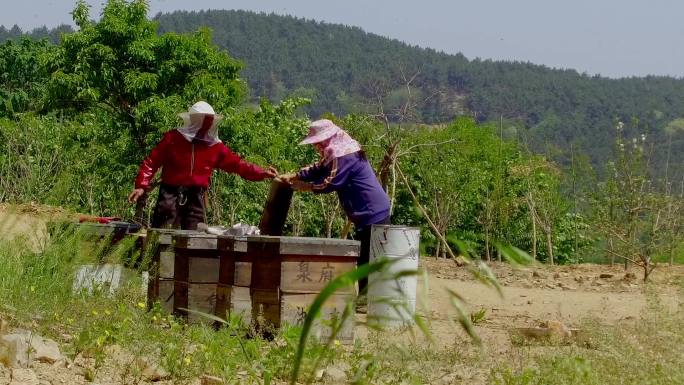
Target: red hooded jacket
(190, 164)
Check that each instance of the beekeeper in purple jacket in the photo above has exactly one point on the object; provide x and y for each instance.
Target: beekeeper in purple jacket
(343, 168)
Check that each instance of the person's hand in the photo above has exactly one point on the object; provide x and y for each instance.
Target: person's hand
(288, 178)
(299, 185)
(271, 172)
(135, 195)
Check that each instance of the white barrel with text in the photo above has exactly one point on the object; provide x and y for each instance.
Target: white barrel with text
(392, 291)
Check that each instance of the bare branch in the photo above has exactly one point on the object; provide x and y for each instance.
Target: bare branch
(634, 261)
(408, 150)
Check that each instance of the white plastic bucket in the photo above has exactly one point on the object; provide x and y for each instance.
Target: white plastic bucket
(391, 294)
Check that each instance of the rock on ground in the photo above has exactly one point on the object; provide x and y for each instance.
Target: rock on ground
(19, 349)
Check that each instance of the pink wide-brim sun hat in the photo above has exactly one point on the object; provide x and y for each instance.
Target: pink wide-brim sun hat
(320, 131)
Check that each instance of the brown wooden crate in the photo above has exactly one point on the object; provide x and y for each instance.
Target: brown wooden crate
(203, 270)
(306, 276)
(241, 303)
(223, 300)
(225, 243)
(166, 290)
(243, 274)
(265, 274)
(166, 263)
(319, 246)
(294, 309)
(266, 307)
(198, 241)
(180, 284)
(241, 294)
(166, 239)
(263, 248)
(226, 268)
(202, 298)
(240, 245)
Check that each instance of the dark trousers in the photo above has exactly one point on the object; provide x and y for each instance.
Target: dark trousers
(179, 207)
(363, 235)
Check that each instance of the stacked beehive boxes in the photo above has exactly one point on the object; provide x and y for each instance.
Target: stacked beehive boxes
(289, 272)
(193, 271)
(241, 300)
(269, 281)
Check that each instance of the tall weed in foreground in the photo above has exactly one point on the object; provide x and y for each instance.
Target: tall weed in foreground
(475, 266)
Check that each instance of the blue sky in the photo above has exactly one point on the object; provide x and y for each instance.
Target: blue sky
(612, 38)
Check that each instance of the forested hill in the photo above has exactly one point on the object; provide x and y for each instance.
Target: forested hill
(344, 69)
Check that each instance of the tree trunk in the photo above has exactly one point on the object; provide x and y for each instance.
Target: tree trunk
(328, 228)
(489, 258)
(610, 248)
(393, 193)
(534, 237)
(530, 207)
(549, 246)
(648, 267)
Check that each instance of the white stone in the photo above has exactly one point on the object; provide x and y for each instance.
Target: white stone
(14, 351)
(335, 375)
(106, 277)
(19, 349)
(152, 372)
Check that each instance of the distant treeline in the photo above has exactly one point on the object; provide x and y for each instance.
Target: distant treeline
(344, 69)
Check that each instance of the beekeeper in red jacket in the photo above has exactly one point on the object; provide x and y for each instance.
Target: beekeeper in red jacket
(187, 157)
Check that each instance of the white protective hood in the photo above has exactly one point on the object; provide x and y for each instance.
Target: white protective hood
(192, 123)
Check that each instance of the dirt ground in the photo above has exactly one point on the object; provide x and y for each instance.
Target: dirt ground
(532, 296)
(570, 294)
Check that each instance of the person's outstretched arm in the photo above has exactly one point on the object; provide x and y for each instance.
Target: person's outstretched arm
(232, 163)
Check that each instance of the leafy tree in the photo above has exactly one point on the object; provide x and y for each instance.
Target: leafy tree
(24, 68)
(630, 212)
(120, 66)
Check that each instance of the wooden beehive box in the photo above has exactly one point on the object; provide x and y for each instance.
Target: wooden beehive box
(241, 300)
(195, 271)
(289, 272)
(159, 249)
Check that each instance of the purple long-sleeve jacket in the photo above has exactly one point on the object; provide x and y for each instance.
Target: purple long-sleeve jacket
(351, 176)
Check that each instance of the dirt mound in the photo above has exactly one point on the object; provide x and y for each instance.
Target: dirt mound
(29, 221)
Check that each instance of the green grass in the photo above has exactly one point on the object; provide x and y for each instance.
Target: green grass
(36, 292)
